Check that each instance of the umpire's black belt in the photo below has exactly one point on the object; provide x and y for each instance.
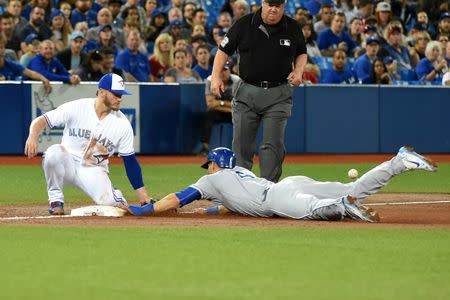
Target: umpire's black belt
(266, 84)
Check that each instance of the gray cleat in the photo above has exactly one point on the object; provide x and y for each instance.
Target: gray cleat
(412, 160)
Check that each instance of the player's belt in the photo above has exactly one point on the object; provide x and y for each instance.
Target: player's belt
(266, 84)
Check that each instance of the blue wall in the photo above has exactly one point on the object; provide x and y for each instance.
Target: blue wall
(325, 119)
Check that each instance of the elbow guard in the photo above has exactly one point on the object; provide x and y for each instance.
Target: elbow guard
(188, 195)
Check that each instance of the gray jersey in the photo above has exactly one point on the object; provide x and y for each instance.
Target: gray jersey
(237, 189)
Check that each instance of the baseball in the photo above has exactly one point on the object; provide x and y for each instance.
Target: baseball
(352, 173)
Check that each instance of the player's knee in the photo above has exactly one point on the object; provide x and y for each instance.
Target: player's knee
(54, 154)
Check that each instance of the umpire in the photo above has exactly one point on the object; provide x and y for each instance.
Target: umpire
(271, 55)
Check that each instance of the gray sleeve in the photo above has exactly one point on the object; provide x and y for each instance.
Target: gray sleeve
(205, 185)
(172, 73)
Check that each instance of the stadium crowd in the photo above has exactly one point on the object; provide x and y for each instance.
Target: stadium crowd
(348, 41)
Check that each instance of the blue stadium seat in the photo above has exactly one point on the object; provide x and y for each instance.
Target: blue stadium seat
(221, 135)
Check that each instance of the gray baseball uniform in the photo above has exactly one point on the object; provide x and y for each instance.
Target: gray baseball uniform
(297, 197)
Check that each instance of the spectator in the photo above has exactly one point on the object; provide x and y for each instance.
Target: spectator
(183, 44)
(302, 15)
(339, 74)
(446, 79)
(180, 72)
(37, 26)
(83, 28)
(198, 30)
(83, 13)
(61, 29)
(114, 7)
(7, 25)
(424, 23)
(162, 58)
(140, 11)
(188, 13)
(432, 8)
(97, 5)
(326, 16)
(403, 11)
(49, 66)
(73, 57)
(443, 39)
(218, 108)
(363, 10)
(130, 25)
(92, 67)
(150, 6)
(444, 24)
(432, 67)
(176, 30)
(10, 70)
(31, 50)
(66, 8)
(254, 6)
(199, 17)
(174, 4)
(133, 62)
(109, 62)
(384, 16)
(218, 35)
(336, 38)
(391, 66)
(395, 48)
(224, 20)
(363, 65)
(157, 24)
(104, 17)
(447, 53)
(105, 38)
(15, 9)
(355, 31)
(240, 9)
(310, 38)
(418, 51)
(202, 56)
(380, 73)
(45, 4)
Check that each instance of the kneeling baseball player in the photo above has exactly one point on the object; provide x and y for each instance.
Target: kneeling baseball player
(94, 129)
(238, 190)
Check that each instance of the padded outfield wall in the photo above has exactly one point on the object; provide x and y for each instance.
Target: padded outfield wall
(167, 118)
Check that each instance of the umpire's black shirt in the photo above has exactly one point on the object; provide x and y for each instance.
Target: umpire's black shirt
(265, 53)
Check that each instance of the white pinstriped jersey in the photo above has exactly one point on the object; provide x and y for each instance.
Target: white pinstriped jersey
(237, 189)
(90, 140)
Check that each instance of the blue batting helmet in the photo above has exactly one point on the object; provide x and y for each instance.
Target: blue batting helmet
(222, 156)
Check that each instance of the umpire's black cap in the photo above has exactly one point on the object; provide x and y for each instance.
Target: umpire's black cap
(275, 1)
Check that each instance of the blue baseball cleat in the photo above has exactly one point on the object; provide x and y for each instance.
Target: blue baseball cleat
(56, 208)
(355, 212)
(413, 160)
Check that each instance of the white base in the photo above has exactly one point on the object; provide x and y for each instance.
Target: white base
(98, 210)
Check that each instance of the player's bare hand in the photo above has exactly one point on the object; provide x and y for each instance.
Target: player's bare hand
(343, 46)
(125, 208)
(31, 146)
(217, 86)
(295, 78)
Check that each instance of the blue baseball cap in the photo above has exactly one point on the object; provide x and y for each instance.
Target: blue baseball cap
(372, 39)
(388, 59)
(113, 83)
(157, 12)
(444, 15)
(30, 38)
(103, 27)
(176, 23)
(56, 13)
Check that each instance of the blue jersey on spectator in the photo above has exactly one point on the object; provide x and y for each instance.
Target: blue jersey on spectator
(424, 67)
(202, 72)
(11, 70)
(54, 70)
(90, 17)
(328, 40)
(135, 64)
(96, 7)
(402, 57)
(363, 69)
(334, 76)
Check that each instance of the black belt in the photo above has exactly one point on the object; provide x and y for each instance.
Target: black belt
(266, 84)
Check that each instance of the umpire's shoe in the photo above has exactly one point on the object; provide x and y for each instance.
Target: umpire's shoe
(356, 212)
(413, 160)
(56, 208)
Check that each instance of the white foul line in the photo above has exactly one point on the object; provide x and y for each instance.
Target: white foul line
(35, 217)
(407, 203)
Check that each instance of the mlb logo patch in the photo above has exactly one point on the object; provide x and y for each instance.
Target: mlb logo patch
(284, 42)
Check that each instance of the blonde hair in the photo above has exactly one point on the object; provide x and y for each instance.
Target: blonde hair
(165, 59)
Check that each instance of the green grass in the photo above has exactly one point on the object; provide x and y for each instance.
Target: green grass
(26, 184)
(163, 263)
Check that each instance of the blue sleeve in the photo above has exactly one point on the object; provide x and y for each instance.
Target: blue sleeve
(350, 42)
(60, 68)
(423, 69)
(121, 62)
(322, 41)
(362, 71)
(188, 195)
(37, 65)
(18, 68)
(133, 170)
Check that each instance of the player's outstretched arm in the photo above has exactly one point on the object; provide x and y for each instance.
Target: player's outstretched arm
(213, 210)
(36, 127)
